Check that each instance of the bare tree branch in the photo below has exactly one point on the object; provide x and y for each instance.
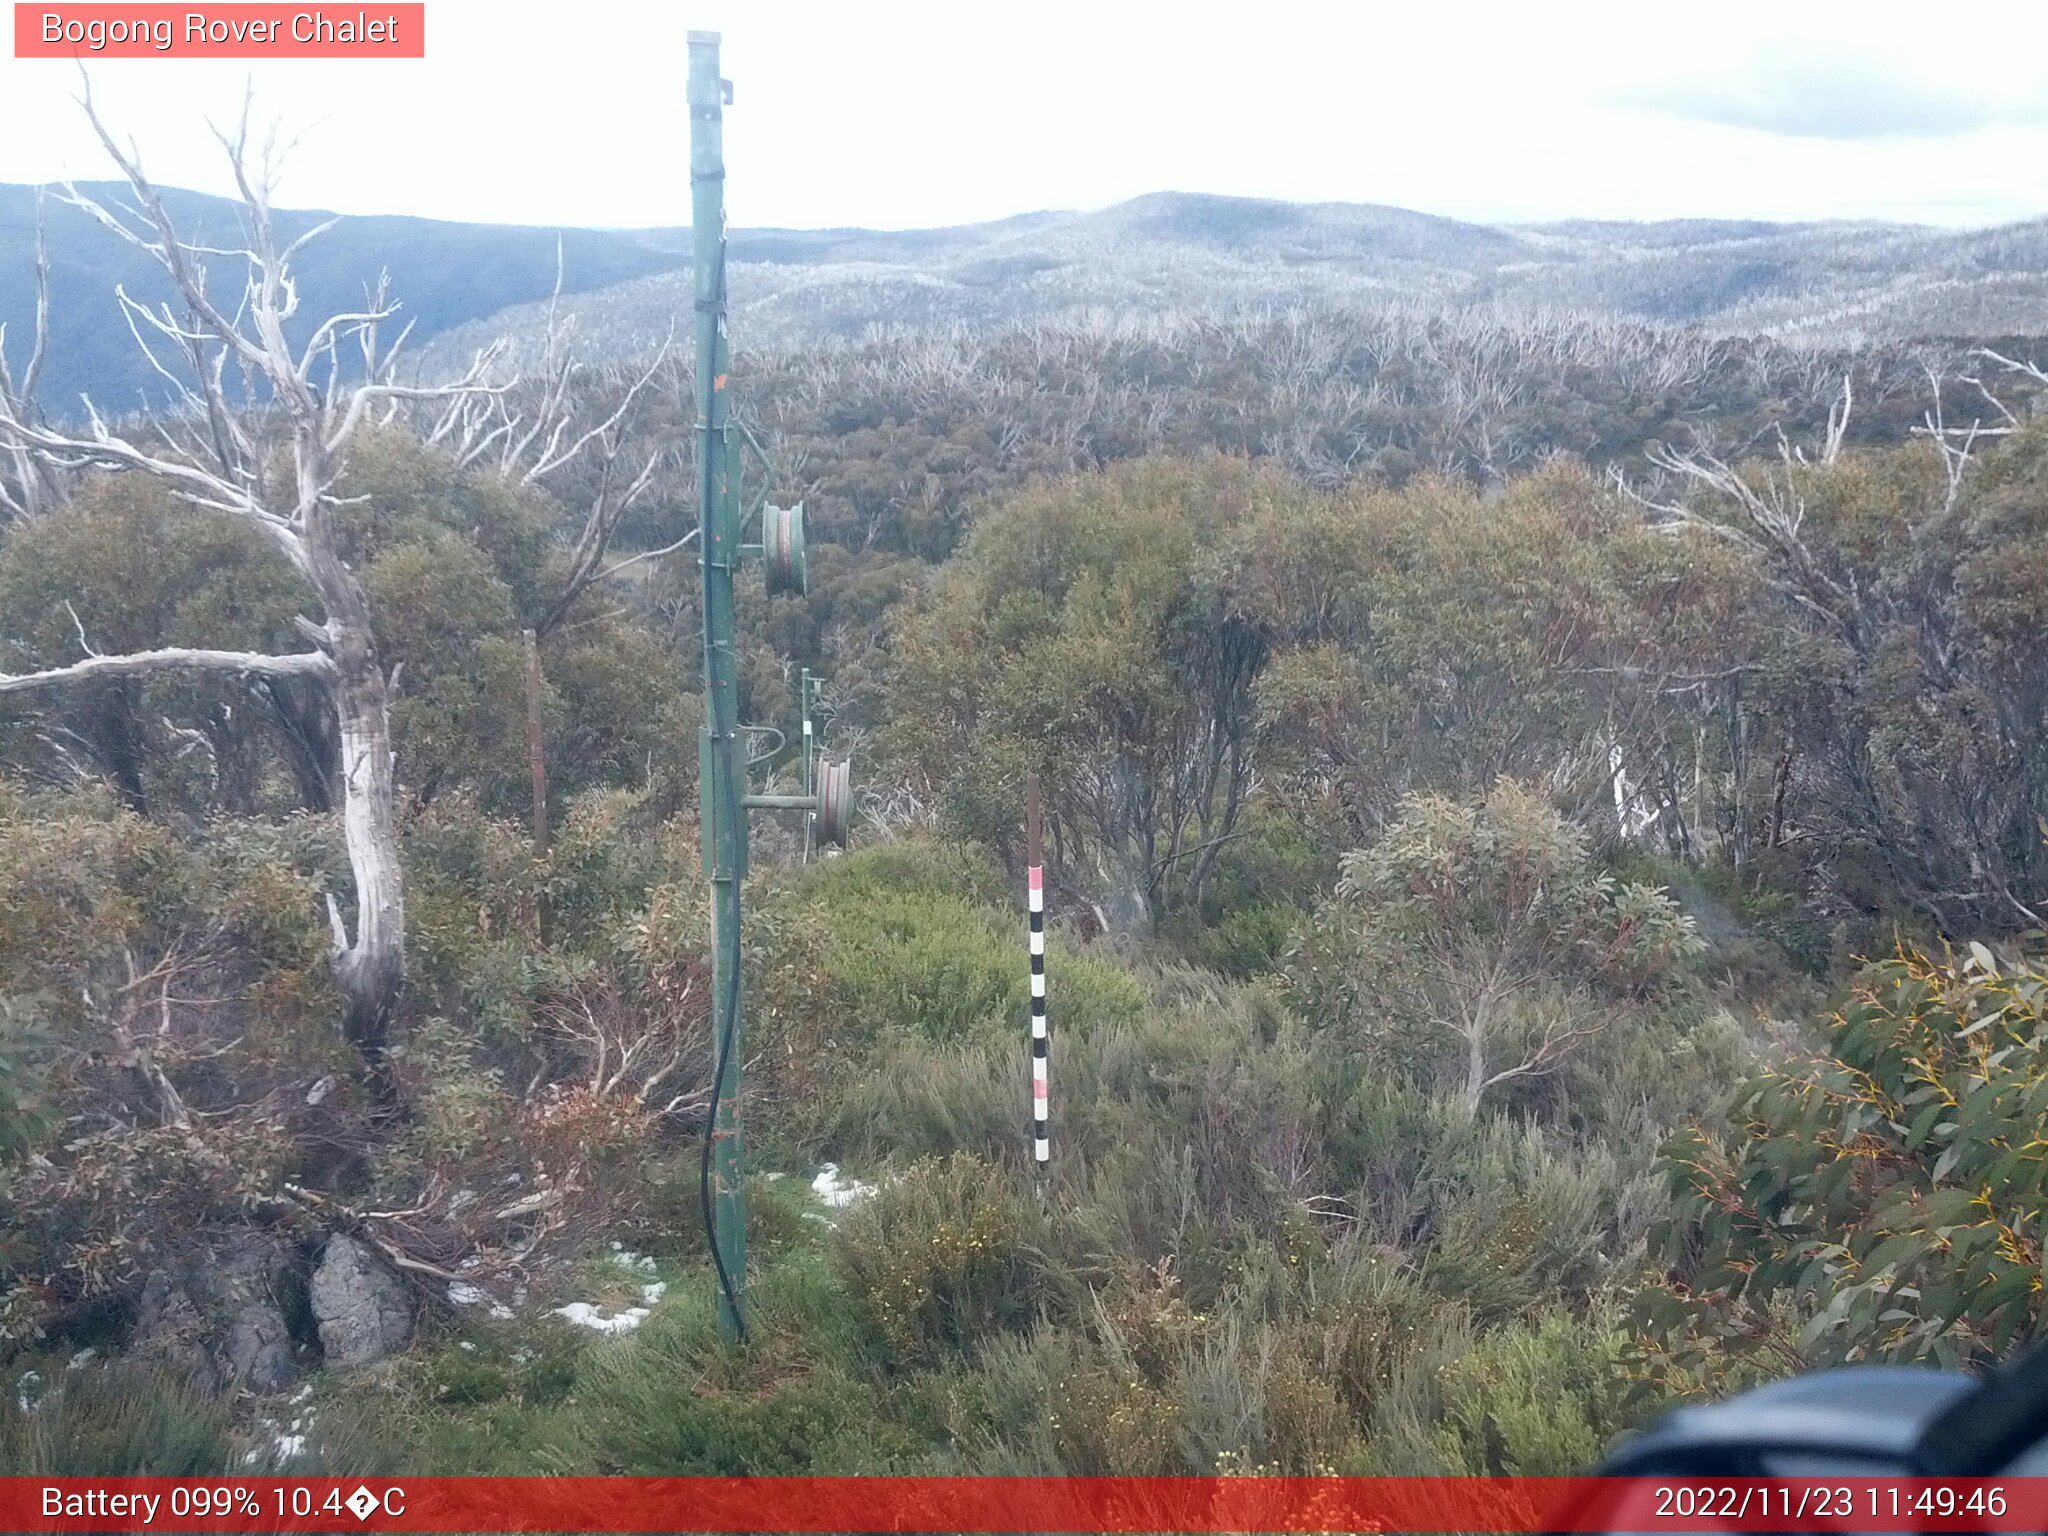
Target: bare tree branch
(1771, 511)
(172, 659)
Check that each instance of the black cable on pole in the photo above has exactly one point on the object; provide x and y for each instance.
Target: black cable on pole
(732, 998)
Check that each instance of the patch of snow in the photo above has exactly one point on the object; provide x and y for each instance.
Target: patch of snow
(78, 1360)
(653, 1292)
(770, 1178)
(465, 1344)
(626, 1258)
(584, 1315)
(281, 1448)
(829, 1187)
(282, 1444)
(25, 1393)
(462, 1294)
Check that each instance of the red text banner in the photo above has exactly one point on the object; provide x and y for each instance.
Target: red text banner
(1019, 1504)
(241, 31)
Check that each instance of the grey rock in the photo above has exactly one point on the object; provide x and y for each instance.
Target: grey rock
(169, 1327)
(258, 1350)
(364, 1310)
(248, 1282)
(217, 1314)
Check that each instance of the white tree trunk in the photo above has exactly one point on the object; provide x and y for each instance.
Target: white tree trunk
(1475, 1067)
(370, 970)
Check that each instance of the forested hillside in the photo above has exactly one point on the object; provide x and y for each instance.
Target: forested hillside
(1821, 284)
(1546, 862)
(465, 286)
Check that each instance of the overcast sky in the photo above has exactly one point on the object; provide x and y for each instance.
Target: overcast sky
(894, 114)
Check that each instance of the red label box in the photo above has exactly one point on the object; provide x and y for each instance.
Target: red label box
(379, 30)
(753, 1506)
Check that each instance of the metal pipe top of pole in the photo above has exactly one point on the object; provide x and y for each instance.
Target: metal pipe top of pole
(707, 91)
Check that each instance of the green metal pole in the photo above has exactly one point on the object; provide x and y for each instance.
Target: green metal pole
(724, 825)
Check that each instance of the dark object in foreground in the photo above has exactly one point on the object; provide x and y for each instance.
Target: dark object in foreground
(1856, 1421)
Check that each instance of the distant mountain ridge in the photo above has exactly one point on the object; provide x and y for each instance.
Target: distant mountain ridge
(444, 273)
(1838, 283)
(465, 284)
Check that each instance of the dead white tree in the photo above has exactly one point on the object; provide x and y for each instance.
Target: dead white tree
(1762, 510)
(1954, 444)
(28, 484)
(2010, 365)
(266, 453)
(534, 438)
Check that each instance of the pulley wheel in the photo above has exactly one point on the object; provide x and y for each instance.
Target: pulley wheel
(835, 801)
(782, 542)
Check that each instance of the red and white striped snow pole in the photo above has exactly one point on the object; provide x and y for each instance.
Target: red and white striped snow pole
(1034, 874)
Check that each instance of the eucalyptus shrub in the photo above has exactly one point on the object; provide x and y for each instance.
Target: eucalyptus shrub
(1881, 1200)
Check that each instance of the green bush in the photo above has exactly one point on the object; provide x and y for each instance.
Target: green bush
(1106, 1423)
(1542, 1399)
(1308, 1431)
(1886, 1193)
(24, 1044)
(471, 885)
(81, 880)
(914, 1098)
(941, 1257)
(1477, 944)
(913, 939)
(460, 1107)
(909, 867)
(1500, 1215)
(673, 1399)
(927, 963)
(1248, 942)
(1367, 1318)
